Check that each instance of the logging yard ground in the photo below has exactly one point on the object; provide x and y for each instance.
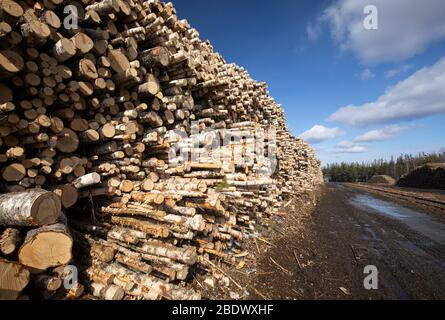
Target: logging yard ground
(320, 244)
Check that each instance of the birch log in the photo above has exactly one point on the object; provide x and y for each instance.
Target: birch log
(87, 180)
(31, 208)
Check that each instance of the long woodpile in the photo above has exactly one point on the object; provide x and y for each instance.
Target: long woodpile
(429, 176)
(112, 156)
(382, 179)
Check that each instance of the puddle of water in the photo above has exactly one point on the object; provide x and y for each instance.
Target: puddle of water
(417, 221)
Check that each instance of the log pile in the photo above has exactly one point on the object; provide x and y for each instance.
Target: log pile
(382, 179)
(158, 157)
(37, 237)
(429, 176)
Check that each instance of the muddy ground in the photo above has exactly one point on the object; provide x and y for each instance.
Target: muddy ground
(320, 246)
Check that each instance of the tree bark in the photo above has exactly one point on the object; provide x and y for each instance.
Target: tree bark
(88, 180)
(30, 208)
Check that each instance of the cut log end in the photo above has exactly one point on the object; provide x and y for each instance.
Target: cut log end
(68, 141)
(11, 61)
(46, 210)
(47, 247)
(5, 94)
(14, 172)
(13, 279)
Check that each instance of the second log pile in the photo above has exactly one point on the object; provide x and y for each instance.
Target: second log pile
(163, 156)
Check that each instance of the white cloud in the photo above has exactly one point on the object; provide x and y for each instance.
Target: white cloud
(396, 71)
(320, 133)
(367, 74)
(381, 134)
(349, 147)
(420, 95)
(406, 28)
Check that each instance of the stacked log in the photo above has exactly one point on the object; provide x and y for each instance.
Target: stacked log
(37, 239)
(383, 180)
(299, 167)
(429, 176)
(163, 156)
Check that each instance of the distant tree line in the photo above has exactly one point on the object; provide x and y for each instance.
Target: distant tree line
(396, 168)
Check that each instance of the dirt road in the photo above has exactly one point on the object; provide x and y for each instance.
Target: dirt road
(321, 253)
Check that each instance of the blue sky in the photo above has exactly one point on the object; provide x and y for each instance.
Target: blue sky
(318, 58)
